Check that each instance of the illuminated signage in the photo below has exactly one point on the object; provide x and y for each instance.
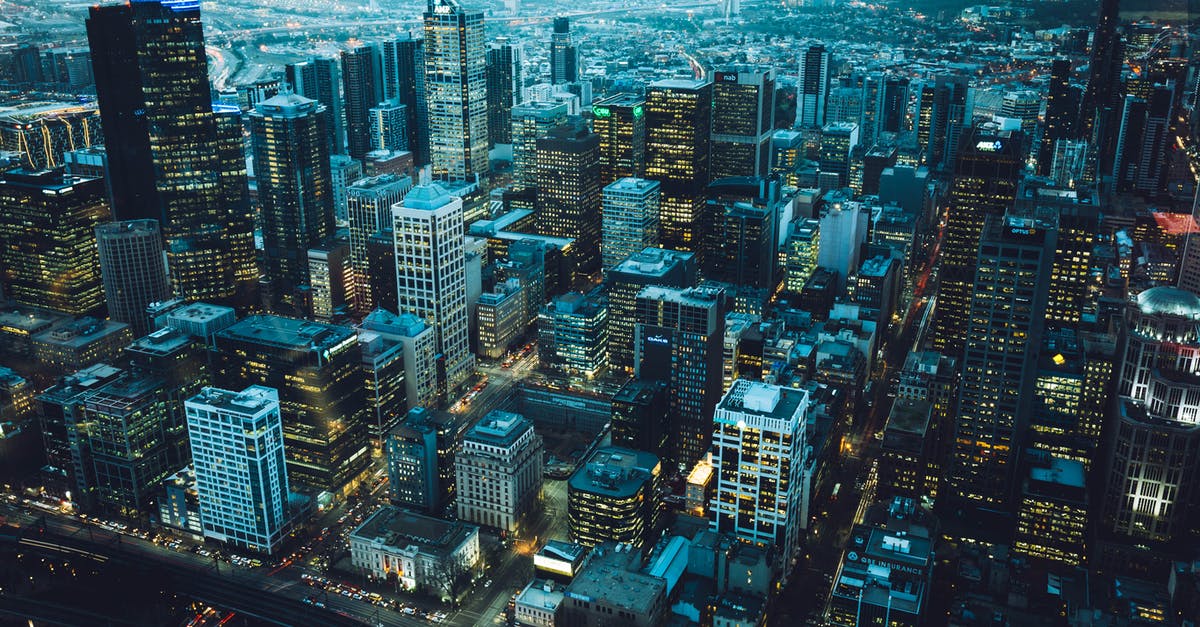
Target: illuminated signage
(637, 111)
(658, 339)
(552, 565)
(601, 112)
(989, 146)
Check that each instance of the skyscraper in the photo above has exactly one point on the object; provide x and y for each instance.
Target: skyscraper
(630, 219)
(812, 88)
(505, 88)
(891, 112)
(838, 141)
(531, 120)
(944, 111)
(743, 119)
(389, 130)
(404, 84)
(1062, 113)
(1004, 327)
(369, 204)
(652, 266)
(1151, 493)
(235, 193)
(985, 183)
(1100, 103)
(361, 88)
(317, 370)
(498, 472)
(564, 56)
(134, 271)
(678, 125)
(568, 190)
(241, 477)
(294, 187)
(759, 458)
(456, 90)
(431, 275)
(573, 334)
(620, 121)
(156, 108)
(677, 340)
(743, 245)
(47, 240)
(320, 79)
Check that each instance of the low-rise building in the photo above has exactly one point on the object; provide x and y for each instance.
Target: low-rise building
(500, 318)
(611, 590)
(418, 551)
(538, 604)
(79, 344)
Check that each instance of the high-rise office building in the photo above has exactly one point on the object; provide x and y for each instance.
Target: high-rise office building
(678, 126)
(677, 339)
(812, 88)
(505, 88)
(985, 183)
(1151, 495)
(1062, 113)
(1140, 160)
(330, 279)
(156, 107)
(564, 56)
(630, 219)
(1100, 98)
(388, 127)
(573, 334)
(369, 211)
(1023, 105)
(838, 141)
(620, 121)
(759, 459)
(361, 87)
(47, 240)
(134, 271)
(531, 120)
(320, 79)
(317, 370)
(404, 84)
(743, 245)
(614, 497)
(412, 463)
(431, 275)
(891, 112)
(498, 472)
(568, 190)
(294, 188)
(652, 266)
(944, 110)
(639, 416)
(456, 90)
(803, 248)
(235, 193)
(743, 120)
(241, 476)
(1004, 327)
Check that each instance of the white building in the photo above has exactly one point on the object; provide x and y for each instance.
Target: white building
(843, 227)
(760, 459)
(498, 472)
(630, 219)
(422, 552)
(431, 277)
(241, 476)
(419, 344)
(369, 204)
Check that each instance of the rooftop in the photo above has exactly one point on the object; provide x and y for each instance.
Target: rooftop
(909, 416)
(164, 341)
(1065, 472)
(402, 528)
(763, 399)
(200, 312)
(631, 184)
(249, 401)
(1170, 301)
(655, 262)
(288, 333)
(499, 428)
(616, 472)
(81, 332)
(609, 583)
(29, 112)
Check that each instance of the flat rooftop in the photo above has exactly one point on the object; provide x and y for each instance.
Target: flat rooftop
(288, 333)
(615, 471)
(611, 584)
(652, 262)
(763, 399)
(499, 428)
(402, 528)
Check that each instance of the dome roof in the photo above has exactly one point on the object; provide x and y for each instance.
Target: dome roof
(1170, 301)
